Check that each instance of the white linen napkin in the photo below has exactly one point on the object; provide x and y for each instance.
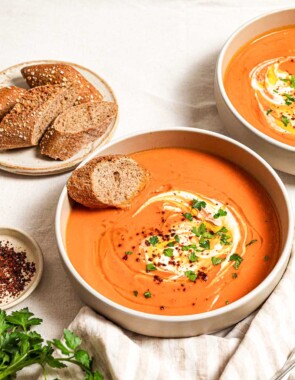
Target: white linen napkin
(256, 348)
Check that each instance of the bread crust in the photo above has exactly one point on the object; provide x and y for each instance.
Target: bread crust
(9, 96)
(63, 144)
(19, 128)
(61, 73)
(81, 187)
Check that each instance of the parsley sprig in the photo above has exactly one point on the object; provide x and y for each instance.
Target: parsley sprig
(20, 347)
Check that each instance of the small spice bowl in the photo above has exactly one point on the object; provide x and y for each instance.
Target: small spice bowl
(30, 256)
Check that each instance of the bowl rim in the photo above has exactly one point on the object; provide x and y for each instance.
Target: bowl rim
(219, 78)
(285, 251)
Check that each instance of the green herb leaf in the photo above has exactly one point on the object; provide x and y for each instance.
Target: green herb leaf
(227, 302)
(59, 345)
(147, 294)
(176, 237)
(128, 253)
(198, 204)
(269, 111)
(224, 239)
(188, 216)
(222, 230)
(191, 275)
(193, 257)
(154, 240)
(72, 340)
(219, 213)
(204, 243)
(170, 244)
(135, 292)
(237, 259)
(83, 357)
(234, 275)
(200, 230)
(216, 260)
(266, 258)
(23, 318)
(188, 247)
(292, 80)
(168, 252)
(276, 91)
(251, 242)
(285, 120)
(150, 267)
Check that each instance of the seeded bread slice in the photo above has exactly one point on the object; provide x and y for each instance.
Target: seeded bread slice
(24, 125)
(61, 73)
(8, 97)
(109, 181)
(77, 128)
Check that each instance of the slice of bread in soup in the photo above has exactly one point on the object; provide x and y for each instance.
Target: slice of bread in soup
(107, 181)
(61, 73)
(76, 128)
(25, 124)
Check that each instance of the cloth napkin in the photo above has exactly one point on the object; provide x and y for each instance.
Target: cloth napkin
(256, 348)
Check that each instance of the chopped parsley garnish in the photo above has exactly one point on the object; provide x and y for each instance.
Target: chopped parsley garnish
(200, 230)
(150, 267)
(266, 258)
(276, 91)
(289, 99)
(284, 79)
(285, 120)
(191, 275)
(224, 239)
(219, 213)
(234, 275)
(188, 247)
(227, 302)
(193, 257)
(176, 238)
(204, 243)
(216, 260)
(269, 111)
(135, 292)
(207, 235)
(292, 81)
(198, 204)
(237, 259)
(128, 253)
(188, 216)
(147, 294)
(171, 244)
(251, 242)
(221, 231)
(153, 240)
(168, 252)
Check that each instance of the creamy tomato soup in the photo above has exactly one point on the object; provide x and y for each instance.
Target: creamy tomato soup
(202, 234)
(260, 83)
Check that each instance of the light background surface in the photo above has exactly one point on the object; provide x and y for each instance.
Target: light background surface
(159, 56)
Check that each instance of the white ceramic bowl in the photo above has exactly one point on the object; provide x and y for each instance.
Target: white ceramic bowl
(281, 156)
(181, 326)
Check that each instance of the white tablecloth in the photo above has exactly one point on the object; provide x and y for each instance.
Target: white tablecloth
(158, 56)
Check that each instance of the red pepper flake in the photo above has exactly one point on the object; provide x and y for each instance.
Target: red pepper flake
(125, 257)
(158, 279)
(162, 307)
(16, 272)
(202, 275)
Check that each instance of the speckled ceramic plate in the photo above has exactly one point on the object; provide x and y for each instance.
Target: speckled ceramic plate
(21, 241)
(29, 161)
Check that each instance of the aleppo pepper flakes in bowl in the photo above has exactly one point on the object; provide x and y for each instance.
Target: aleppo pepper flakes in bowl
(21, 264)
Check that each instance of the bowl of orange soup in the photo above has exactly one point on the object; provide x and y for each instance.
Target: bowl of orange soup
(201, 247)
(255, 87)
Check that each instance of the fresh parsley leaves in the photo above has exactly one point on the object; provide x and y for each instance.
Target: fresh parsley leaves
(285, 120)
(237, 259)
(150, 267)
(193, 257)
(198, 204)
(219, 213)
(168, 252)
(216, 260)
(20, 347)
(191, 275)
(147, 294)
(154, 240)
(268, 111)
(188, 216)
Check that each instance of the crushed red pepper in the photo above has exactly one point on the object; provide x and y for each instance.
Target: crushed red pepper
(16, 272)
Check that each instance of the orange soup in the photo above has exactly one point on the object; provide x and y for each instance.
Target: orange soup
(260, 83)
(202, 234)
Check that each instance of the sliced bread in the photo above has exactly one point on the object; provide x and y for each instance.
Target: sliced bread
(8, 97)
(109, 181)
(24, 125)
(77, 128)
(61, 73)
